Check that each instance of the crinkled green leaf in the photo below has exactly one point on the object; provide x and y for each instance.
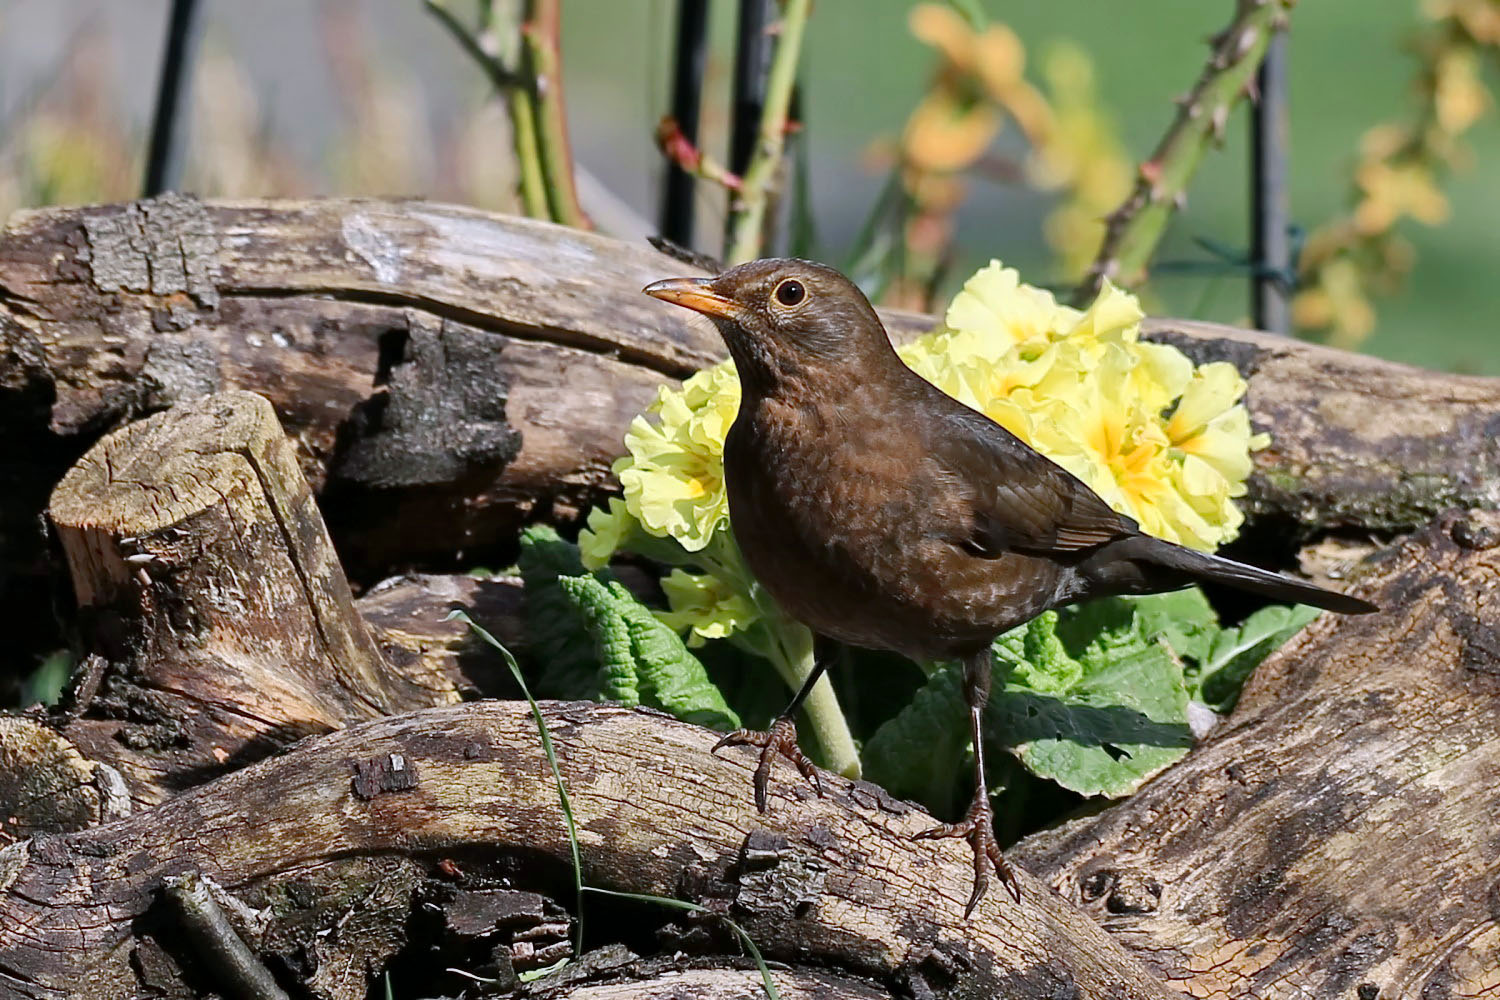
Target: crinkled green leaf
(1235, 652)
(1121, 719)
(1125, 719)
(617, 675)
(555, 635)
(1182, 618)
(642, 661)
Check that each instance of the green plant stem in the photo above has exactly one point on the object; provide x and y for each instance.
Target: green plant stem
(791, 652)
(533, 99)
(540, 37)
(1137, 226)
(795, 662)
(748, 207)
(532, 183)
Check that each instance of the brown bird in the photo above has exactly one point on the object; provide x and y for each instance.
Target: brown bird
(883, 513)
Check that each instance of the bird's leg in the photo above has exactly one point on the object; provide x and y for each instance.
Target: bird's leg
(978, 825)
(780, 739)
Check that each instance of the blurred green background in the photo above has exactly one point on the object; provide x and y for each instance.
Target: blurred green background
(372, 97)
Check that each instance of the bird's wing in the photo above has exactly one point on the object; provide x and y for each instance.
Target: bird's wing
(1018, 500)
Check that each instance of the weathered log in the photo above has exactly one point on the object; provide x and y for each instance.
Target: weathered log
(210, 586)
(1339, 837)
(469, 372)
(832, 879)
(652, 981)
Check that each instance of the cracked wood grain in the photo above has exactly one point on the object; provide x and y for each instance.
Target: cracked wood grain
(1338, 838)
(839, 878)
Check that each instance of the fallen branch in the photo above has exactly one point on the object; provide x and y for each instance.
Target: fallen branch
(833, 878)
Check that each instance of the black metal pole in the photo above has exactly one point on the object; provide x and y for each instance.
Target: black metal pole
(165, 155)
(687, 94)
(752, 64)
(1270, 207)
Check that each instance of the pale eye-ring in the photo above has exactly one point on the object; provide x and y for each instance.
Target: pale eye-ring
(790, 292)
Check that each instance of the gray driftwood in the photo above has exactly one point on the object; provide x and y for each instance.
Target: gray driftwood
(469, 372)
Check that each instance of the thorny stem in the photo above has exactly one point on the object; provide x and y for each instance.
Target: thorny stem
(540, 36)
(686, 156)
(533, 98)
(748, 207)
(1136, 227)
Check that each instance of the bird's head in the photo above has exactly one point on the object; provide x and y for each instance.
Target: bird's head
(783, 319)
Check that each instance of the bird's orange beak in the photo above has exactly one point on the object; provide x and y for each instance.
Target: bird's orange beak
(696, 294)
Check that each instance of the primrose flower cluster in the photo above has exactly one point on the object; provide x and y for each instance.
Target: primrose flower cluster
(1160, 439)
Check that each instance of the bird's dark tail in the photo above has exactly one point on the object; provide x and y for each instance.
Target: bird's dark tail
(1161, 565)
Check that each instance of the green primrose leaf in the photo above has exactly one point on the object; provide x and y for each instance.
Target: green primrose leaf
(1235, 652)
(640, 660)
(1098, 724)
(555, 631)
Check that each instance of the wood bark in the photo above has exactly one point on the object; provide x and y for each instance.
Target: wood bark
(836, 879)
(1337, 839)
(212, 592)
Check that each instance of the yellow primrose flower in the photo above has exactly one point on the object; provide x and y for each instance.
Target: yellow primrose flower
(673, 478)
(1159, 440)
(605, 533)
(705, 606)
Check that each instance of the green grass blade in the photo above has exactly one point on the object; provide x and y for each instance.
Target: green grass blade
(562, 791)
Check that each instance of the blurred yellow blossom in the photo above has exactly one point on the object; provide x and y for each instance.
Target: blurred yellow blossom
(1398, 175)
(1393, 190)
(1082, 156)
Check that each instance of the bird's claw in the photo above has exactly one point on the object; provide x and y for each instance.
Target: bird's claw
(779, 740)
(978, 828)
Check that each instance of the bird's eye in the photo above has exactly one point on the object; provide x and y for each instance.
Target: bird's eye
(790, 292)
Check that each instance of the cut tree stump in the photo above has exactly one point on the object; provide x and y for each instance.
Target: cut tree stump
(209, 585)
(1338, 839)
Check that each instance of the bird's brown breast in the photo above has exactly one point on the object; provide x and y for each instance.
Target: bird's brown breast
(845, 519)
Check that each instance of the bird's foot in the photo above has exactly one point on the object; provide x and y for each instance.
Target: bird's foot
(779, 740)
(978, 828)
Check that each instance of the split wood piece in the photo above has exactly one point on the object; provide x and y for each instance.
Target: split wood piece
(1338, 839)
(469, 372)
(838, 880)
(409, 616)
(47, 785)
(207, 580)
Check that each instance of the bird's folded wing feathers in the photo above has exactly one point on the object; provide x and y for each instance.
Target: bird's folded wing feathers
(1020, 501)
